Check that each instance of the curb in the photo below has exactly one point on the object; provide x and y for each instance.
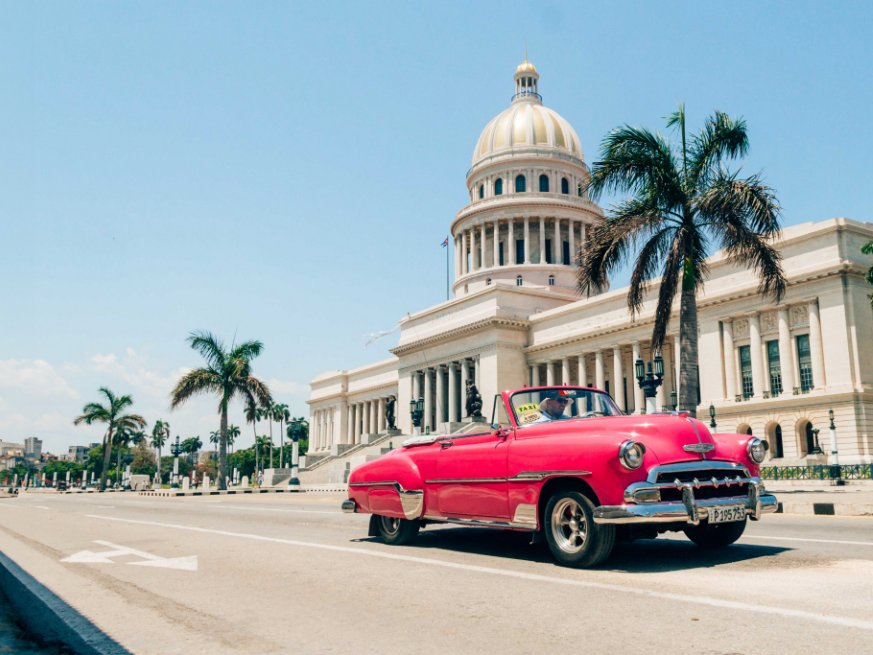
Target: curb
(825, 509)
(216, 492)
(48, 616)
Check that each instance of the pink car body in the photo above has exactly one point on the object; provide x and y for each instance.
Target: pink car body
(688, 478)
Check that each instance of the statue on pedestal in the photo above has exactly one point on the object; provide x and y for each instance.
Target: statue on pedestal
(474, 401)
(389, 412)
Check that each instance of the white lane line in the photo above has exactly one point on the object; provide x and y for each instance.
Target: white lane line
(814, 541)
(280, 509)
(534, 577)
(41, 507)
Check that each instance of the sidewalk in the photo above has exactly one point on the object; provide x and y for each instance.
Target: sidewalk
(811, 497)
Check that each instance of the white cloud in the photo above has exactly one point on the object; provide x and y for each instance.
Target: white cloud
(287, 387)
(34, 377)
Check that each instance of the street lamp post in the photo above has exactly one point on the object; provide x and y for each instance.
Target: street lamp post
(416, 408)
(176, 450)
(650, 380)
(296, 429)
(835, 472)
(712, 416)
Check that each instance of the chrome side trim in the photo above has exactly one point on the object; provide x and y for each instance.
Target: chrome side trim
(465, 480)
(480, 523)
(696, 466)
(527, 476)
(411, 500)
(698, 448)
(525, 514)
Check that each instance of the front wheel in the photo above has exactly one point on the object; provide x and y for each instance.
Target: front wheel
(715, 536)
(396, 531)
(573, 536)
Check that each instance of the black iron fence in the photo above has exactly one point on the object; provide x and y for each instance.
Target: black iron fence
(820, 472)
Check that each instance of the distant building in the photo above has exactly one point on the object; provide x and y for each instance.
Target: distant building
(33, 448)
(77, 453)
(8, 448)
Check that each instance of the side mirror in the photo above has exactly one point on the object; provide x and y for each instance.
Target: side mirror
(495, 426)
(501, 433)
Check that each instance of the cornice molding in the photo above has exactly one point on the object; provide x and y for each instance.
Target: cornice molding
(504, 323)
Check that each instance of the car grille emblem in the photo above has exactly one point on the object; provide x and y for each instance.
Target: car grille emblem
(698, 448)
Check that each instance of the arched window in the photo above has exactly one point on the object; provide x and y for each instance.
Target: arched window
(544, 183)
(565, 186)
(498, 187)
(551, 280)
(481, 191)
(518, 281)
(809, 438)
(520, 184)
(777, 442)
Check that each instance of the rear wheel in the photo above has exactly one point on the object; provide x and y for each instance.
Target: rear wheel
(573, 536)
(715, 536)
(396, 531)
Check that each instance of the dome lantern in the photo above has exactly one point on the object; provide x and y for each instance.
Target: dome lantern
(526, 79)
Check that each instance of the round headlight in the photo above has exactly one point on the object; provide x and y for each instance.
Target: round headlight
(630, 454)
(756, 448)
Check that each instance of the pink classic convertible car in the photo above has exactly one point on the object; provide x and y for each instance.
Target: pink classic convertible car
(564, 463)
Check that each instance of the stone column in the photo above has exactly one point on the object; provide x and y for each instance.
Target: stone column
(786, 359)
(599, 372)
(356, 436)
(428, 400)
(374, 416)
(496, 250)
(537, 380)
(526, 240)
(473, 266)
(350, 429)
(618, 377)
(730, 366)
(458, 271)
(453, 393)
(380, 415)
(815, 348)
(440, 398)
(483, 247)
(565, 370)
(583, 371)
(639, 396)
(509, 255)
(365, 417)
(550, 373)
(757, 354)
(465, 376)
(542, 240)
(557, 249)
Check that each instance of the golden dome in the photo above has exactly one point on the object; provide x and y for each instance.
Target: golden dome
(526, 67)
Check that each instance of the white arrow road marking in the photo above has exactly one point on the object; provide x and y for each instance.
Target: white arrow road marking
(188, 563)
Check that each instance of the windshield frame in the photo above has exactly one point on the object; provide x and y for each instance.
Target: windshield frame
(605, 398)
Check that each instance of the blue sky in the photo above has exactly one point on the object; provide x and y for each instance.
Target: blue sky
(287, 171)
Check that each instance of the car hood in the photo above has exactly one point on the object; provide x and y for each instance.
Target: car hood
(669, 438)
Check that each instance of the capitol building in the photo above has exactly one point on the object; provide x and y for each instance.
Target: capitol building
(516, 317)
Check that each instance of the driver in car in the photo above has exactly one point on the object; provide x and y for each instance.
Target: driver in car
(552, 407)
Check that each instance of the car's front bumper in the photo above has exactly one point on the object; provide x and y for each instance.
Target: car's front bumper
(690, 510)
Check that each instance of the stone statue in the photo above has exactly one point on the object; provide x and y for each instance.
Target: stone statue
(389, 412)
(474, 400)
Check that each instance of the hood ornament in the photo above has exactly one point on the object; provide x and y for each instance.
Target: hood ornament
(698, 448)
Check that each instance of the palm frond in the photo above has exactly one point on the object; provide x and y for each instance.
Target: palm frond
(649, 261)
(197, 381)
(749, 200)
(210, 347)
(671, 276)
(247, 351)
(721, 137)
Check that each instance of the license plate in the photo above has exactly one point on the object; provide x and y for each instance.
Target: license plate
(726, 514)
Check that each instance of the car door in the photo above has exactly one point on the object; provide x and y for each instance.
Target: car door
(471, 474)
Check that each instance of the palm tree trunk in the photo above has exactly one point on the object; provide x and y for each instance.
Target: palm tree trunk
(271, 443)
(222, 450)
(159, 466)
(107, 453)
(282, 444)
(689, 373)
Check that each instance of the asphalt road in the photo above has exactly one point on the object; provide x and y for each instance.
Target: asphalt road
(292, 573)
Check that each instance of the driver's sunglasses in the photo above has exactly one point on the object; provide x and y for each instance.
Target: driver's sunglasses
(562, 400)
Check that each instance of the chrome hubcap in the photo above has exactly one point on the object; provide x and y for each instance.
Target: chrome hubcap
(390, 526)
(569, 526)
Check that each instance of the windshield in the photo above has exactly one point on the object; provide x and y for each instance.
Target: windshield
(558, 403)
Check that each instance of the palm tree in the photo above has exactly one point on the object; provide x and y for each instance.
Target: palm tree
(160, 434)
(252, 415)
(232, 434)
(262, 443)
(867, 249)
(111, 414)
(266, 411)
(281, 413)
(191, 445)
(214, 438)
(227, 374)
(683, 200)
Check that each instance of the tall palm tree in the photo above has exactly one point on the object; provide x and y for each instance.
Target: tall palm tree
(252, 415)
(266, 411)
(214, 438)
(191, 445)
(160, 434)
(867, 249)
(112, 414)
(227, 374)
(683, 201)
(263, 443)
(281, 413)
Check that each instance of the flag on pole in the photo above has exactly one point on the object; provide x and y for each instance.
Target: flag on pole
(445, 243)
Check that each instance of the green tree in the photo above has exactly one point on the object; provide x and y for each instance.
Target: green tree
(252, 416)
(867, 249)
(214, 438)
(281, 414)
(263, 443)
(160, 434)
(266, 412)
(190, 446)
(683, 201)
(111, 413)
(232, 435)
(228, 375)
(143, 461)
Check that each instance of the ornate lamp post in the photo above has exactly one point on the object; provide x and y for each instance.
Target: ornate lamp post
(835, 472)
(649, 381)
(712, 416)
(296, 431)
(416, 408)
(176, 450)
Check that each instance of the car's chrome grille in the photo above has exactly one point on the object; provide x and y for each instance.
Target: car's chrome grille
(706, 482)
